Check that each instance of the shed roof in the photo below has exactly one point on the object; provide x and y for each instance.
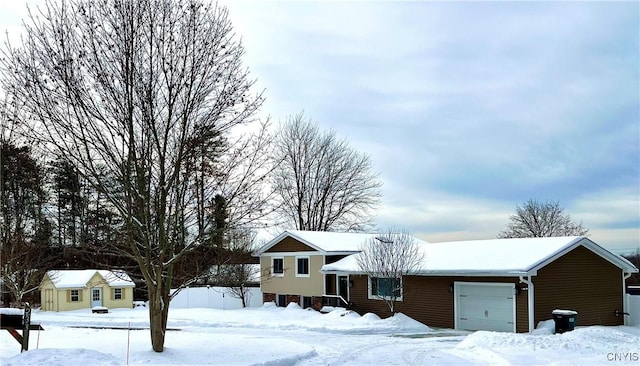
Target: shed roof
(511, 257)
(323, 241)
(76, 278)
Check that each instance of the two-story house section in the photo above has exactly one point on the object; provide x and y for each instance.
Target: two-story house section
(290, 267)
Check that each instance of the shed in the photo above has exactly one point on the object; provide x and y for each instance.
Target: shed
(62, 290)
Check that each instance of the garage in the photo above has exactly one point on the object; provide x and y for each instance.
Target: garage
(485, 306)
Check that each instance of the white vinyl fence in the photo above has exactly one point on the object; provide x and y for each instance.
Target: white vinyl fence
(634, 309)
(214, 297)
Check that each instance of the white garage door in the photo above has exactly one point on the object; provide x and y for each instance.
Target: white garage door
(485, 306)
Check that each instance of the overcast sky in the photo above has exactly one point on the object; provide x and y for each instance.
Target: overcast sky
(466, 108)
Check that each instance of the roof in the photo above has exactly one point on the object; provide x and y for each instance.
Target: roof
(511, 257)
(323, 241)
(76, 278)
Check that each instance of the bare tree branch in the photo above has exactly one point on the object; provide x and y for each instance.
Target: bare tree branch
(321, 183)
(541, 219)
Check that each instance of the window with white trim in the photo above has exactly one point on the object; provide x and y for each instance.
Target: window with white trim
(385, 288)
(74, 296)
(117, 294)
(277, 266)
(302, 266)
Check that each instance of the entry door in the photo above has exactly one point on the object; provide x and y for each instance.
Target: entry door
(96, 296)
(343, 287)
(485, 306)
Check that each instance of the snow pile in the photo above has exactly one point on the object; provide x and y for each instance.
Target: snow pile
(545, 327)
(573, 346)
(404, 323)
(370, 317)
(342, 312)
(69, 356)
(293, 306)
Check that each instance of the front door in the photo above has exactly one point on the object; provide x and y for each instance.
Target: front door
(96, 297)
(343, 287)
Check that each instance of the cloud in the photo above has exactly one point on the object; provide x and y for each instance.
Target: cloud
(465, 108)
(610, 209)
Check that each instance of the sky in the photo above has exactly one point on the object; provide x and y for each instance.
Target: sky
(466, 109)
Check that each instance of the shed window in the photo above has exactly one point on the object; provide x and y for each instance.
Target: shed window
(74, 296)
(117, 294)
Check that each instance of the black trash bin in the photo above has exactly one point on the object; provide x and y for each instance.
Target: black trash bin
(565, 320)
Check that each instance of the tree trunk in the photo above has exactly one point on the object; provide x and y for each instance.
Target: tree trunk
(158, 314)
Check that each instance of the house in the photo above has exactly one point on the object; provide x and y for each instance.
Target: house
(62, 290)
(501, 284)
(290, 267)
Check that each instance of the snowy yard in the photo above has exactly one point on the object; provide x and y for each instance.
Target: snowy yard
(292, 336)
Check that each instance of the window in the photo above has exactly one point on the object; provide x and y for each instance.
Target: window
(75, 295)
(282, 299)
(117, 294)
(95, 294)
(302, 266)
(277, 266)
(386, 287)
(306, 302)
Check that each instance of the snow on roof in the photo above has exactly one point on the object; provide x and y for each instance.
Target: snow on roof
(76, 278)
(333, 241)
(503, 256)
(325, 241)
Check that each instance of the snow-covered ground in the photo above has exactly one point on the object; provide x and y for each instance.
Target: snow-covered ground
(292, 336)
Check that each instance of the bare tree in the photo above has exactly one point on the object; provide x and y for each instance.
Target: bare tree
(386, 259)
(238, 274)
(136, 89)
(321, 183)
(541, 219)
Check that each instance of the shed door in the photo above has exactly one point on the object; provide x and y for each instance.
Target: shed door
(48, 300)
(96, 296)
(485, 306)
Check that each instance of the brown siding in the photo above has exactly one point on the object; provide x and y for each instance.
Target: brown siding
(332, 258)
(290, 244)
(428, 300)
(582, 281)
(522, 310)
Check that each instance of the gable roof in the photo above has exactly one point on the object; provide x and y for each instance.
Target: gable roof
(77, 278)
(326, 242)
(504, 257)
